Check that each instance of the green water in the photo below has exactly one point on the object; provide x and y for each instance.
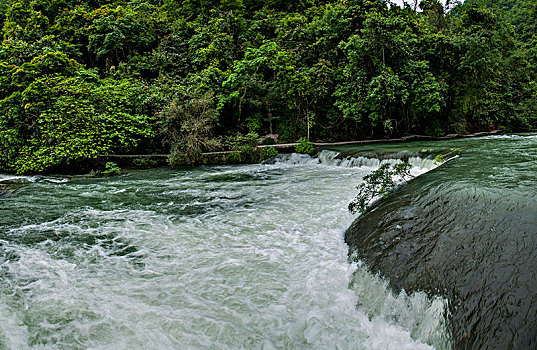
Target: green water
(232, 257)
(226, 257)
(466, 231)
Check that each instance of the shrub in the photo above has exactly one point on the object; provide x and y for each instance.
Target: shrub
(379, 184)
(439, 159)
(234, 158)
(69, 119)
(111, 169)
(304, 146)
(268, 141)
(269, 152)
(241, 142)
(145, 163)
(187, 127)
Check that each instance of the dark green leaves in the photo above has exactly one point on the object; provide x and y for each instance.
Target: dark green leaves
(379, 184)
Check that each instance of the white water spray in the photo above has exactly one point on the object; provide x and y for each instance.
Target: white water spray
(232, 257)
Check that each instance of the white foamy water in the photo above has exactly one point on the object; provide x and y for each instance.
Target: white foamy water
(16, 179)
(233, 257)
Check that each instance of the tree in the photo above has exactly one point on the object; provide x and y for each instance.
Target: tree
(70, 119)
(187, 127)
(257, 81)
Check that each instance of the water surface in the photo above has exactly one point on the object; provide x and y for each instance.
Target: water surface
(226, 257)
(466, 231)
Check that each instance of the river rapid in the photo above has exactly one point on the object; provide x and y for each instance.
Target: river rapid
(220, 257)
(224, 257)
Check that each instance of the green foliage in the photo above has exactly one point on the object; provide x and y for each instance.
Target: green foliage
(243, 148)
(268, 141)
(234, 157)
(241, 142)
(145, 163)
(58, 120)
(187, 127)
(111, 169)
(379, 184)
(269, 152)
(304, 146)
(439, 159)
(87, 77)
(442, 157)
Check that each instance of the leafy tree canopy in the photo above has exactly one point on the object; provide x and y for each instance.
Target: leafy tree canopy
(87, 77)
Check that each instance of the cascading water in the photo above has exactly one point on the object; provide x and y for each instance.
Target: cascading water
(227, 257)
(467, 232)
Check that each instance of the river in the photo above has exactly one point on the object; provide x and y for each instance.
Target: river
(466, 231)
(220, 257)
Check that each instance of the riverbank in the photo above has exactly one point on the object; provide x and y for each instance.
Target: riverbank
(320, 145)
(255, 155)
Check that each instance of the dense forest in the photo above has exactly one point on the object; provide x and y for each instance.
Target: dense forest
(80, 78)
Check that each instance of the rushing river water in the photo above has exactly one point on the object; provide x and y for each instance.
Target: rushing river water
(466, 231)
(224, 257)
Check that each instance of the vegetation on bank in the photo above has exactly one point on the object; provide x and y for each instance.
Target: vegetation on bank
(83, 78)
